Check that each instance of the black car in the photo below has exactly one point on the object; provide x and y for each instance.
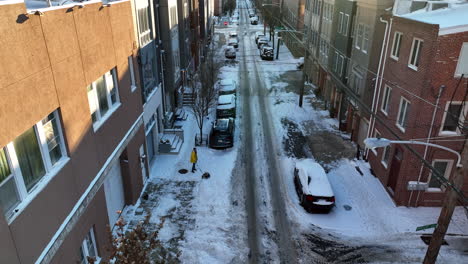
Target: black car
(266, 53)
(222, 134)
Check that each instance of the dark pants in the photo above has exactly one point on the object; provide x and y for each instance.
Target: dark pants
(193, 167)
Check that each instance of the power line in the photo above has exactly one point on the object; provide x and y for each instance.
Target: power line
(350, 93)
(461, 126)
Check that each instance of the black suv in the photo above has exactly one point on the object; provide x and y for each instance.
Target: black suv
(266, 53)
(222, 134)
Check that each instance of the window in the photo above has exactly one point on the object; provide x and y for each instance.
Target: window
(28, 159)
(403, 114)
(359, 33)
(386, 99)
(453, 117)
(356, 82)
(144, 25)
(103, 96)
(88, 248)
(340, 22)
(365, 39)
(443, 167)
(462, 64)
(416, 47)
(386, 156)
(132, 73)
(340, 65)
(173, 17)
(396, 45)
(345, 24)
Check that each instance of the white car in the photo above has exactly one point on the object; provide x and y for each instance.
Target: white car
(233, 42)
(227, 86)
(233, 34)
(235, 21)
(312, 186)
(226, 106)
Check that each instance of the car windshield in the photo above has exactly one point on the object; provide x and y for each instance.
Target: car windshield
(221, 125)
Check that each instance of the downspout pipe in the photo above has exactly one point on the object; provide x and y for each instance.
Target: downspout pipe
(441, 88)
(157, 15)
(379, 78)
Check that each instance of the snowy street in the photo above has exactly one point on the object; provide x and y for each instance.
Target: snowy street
(248, 211)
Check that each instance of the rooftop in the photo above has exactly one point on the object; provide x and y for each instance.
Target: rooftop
(450, 20)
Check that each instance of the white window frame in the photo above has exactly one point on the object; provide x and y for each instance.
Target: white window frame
(335, 66)
(93, 98)
(461, 119)
(340, 22)
(133, 85)
(384, 152)
(25, 196)
(446, 174)
(345, 25)
(405, 122)
(85, 248)
(417, 56)
(359, 35)
(342, 65)
(144, 31)
(387, 94)
(365, 38)
(397, 37)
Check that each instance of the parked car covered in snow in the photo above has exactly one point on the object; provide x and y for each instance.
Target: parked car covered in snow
(222, 134)
(313, 187)
(230, 52)
(262, 41)
(258, 35)
(233, 34)
(254, 20)
(226, 106)
(227, 86)
(233, 42)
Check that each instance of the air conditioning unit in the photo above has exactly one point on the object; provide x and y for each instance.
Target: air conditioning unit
(417, 186)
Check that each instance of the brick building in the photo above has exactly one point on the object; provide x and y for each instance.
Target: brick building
(72, 128)
(426, 51)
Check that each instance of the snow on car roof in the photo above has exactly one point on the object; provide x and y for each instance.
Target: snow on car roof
(227, 88)
(226, 82)
(226, 106)
(226, 99)
(319, 185)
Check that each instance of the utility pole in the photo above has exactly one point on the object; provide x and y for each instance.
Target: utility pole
(301, 92)
(446, 213)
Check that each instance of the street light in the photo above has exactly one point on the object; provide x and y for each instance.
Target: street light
(383, 142)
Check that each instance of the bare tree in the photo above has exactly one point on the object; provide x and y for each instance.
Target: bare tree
(229, 6)
(203, 86)
(138, 245)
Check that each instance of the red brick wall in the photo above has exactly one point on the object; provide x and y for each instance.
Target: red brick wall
(438, 59)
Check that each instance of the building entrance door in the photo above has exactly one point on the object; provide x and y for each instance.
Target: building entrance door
(394, 170)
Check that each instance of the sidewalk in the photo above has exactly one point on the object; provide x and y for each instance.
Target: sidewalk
(204, 218)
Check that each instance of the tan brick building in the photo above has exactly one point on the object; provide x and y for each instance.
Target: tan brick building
(72, 139)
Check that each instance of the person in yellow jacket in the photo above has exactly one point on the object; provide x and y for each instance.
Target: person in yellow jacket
(194, 159)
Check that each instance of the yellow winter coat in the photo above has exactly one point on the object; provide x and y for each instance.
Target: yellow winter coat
(193, 157)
